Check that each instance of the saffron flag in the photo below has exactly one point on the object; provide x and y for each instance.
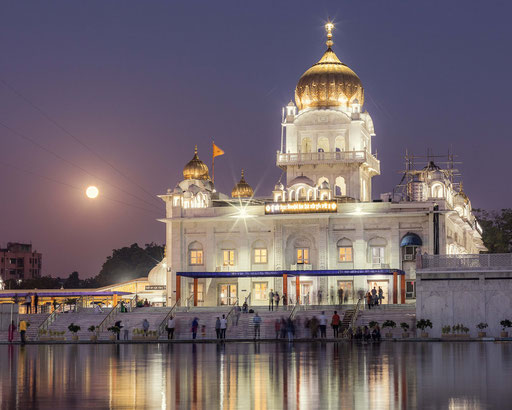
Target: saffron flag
(217, 151)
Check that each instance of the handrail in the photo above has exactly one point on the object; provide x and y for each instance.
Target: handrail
(353, 320)
(294, 310)
(235, 305)
(163, 324)
(106, 321)
(51, 318)
(248, 297)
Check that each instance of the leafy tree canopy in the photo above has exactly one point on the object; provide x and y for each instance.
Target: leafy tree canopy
(497, 229)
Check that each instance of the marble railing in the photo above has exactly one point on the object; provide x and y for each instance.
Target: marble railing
(496, 261)
(303, 158)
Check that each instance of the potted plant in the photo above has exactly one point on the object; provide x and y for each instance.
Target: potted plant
(481, 326)
(505, 324)
(391, 325)
(405, 328)
(372, 324)
(43, 335)
(115, 330)
(94, 336)
(422, 325)
(74, 329)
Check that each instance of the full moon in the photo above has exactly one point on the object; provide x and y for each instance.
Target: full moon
(92, 192)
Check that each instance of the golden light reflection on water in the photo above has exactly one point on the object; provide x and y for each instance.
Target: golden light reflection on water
(256, 376)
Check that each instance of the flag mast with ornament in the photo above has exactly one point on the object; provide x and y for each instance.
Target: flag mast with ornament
(216, 152)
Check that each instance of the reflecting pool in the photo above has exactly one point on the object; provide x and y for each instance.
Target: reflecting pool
(388, 375)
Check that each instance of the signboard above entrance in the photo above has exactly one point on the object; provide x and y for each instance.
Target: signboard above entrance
(300, 207)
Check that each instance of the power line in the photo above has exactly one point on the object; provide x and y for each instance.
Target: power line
(23, 136)
(42, 176)
(78, 140)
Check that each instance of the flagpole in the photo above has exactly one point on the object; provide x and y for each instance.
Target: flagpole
(213, 162)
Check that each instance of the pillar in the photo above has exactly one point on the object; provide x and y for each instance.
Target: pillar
(285, 288)
(195, 291)
(114, 302)
(395, 290)
(32, 304)
(178, 288)
(297, 288)
(402, 289)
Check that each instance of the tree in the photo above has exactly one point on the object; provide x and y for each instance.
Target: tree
(73, 281)
(497, 229)
(129, 263)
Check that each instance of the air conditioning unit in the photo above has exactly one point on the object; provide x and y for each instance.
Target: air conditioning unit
(408, 257)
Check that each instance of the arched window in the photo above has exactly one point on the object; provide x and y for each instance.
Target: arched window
(345, 250)
(340, 187)
(339, 144)
(438, 190)
(195, 253)
(306, 145)
(410, 244)
(323, 145)
(301, 194)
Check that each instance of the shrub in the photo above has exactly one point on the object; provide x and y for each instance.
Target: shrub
(92, 328)
(482, 326)
(505, 323)
(389, 323)
(446, 329)
(373, 323)
(73, 328)
(404, 326)
(114, 329)
(423, 324)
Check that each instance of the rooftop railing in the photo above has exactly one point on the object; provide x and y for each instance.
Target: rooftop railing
(303, 158)
(487, 261)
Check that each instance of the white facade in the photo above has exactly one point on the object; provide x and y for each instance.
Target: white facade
(326, 152)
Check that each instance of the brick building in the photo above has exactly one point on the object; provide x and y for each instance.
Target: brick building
(19, 261)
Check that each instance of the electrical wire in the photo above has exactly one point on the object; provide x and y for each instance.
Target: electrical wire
(32, 141)
(74, 137)
(56, 181)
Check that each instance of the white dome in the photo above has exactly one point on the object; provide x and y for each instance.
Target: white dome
(158, 275)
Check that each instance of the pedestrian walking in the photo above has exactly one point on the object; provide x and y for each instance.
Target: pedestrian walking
(223, 327)
(23, 330)
(36, 301)
(331, 294)
(340, 296)
(277, 298)
(28, 303)
(335, 323)
(319, 296)
(271, 300)
(195, 325)
(171, 325)
(381, 295)
(256, 320)
(277, 327)
(290, 329)
(217, 327)
(283, 327)
(322, 320)
(145, 326)
(369, 300)
(313, 327)
(284, 299)
(119, 324)
(238, 310)
(12, 329)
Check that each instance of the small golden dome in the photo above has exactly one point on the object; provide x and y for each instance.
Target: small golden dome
(242, 189)
(329, 83)
(196, 169)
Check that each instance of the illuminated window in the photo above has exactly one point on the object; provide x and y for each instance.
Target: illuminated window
(260, 291)
(228, 257)
(345, 254)
(200, 291)
(302, 255)
(260, 255)
(196, 257)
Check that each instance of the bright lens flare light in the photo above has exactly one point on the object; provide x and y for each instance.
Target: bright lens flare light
(92, 192)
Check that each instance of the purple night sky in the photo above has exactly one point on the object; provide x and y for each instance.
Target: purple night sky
(140, 82)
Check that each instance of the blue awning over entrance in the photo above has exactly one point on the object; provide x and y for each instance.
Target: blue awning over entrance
(279, 273)
(411, 239)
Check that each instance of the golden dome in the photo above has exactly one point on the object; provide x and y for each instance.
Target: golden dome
(329, 83)
(196, 169)
(242, 189)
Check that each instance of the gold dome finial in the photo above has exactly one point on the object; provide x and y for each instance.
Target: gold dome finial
(329, 27)
(242, 189)
(195, 168)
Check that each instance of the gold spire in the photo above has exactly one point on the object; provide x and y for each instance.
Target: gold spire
(329, 27)
(195, 168)
(242, 189)
(328, 83)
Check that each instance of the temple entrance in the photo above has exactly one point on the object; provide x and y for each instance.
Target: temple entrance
(228, 294)
(384, 284)
(260, 293)
(348, 291)
(306, 292)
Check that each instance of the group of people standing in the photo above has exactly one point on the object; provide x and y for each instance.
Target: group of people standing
(319, 323)
(275, 298)
(374, 297)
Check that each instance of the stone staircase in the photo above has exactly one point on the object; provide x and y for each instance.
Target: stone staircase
(31, 334)
(133, 320)
(84, 318)
(397, 313)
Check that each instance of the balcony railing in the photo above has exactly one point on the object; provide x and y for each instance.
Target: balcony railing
(302, 266)
(490, 261)
(347, 157)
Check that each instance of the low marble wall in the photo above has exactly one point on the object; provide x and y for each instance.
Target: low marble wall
(448, 298)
